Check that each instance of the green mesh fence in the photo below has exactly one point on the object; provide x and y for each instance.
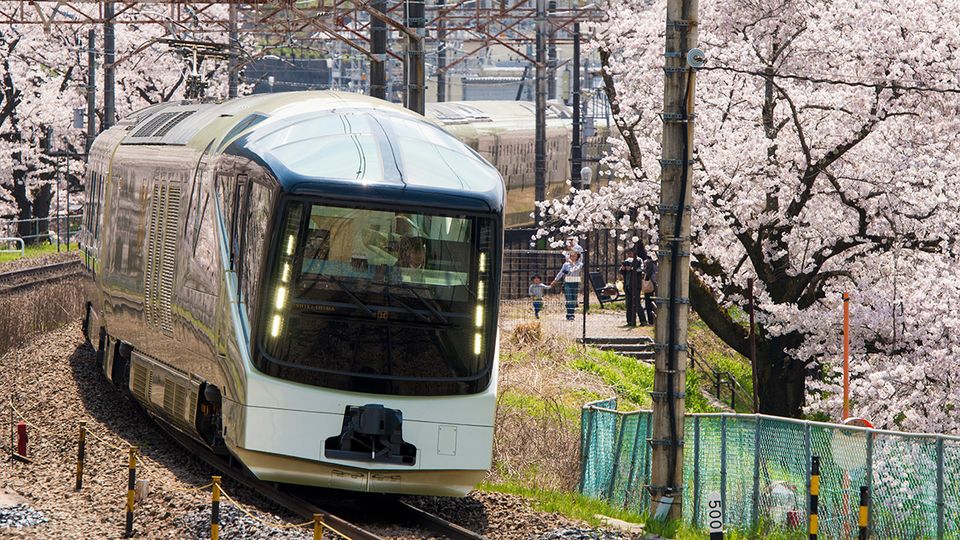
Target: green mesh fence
(760, 466)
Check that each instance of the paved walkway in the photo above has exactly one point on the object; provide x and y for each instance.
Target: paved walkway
(600, 323)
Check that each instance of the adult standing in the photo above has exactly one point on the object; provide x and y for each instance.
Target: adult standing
(570, 275)
(649, 287)
(632, 271)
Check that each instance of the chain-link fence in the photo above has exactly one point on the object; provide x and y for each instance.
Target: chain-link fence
(760, 466)
(54, 229)
(525, 299)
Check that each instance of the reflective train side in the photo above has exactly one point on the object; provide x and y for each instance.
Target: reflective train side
(503, 133)
(306, 281)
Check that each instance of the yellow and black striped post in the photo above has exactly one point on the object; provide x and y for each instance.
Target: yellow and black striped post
(81, 450)
(864, 512)
(215, 509)
(131, 483)
(814, 496)
(317, 526)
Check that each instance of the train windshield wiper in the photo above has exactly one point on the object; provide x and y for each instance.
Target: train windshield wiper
(352, 296)
(433, 310)
(401, 303)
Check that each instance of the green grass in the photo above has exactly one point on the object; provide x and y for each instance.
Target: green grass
(537, 407)
(36, 250)
(576, 506)
(572, 505)
(633, 380)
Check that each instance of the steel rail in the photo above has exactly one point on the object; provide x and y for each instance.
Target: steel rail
(64, 270)
(290, 502)
(437, 524)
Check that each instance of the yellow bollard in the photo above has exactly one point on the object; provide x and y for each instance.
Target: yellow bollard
(215, 509)
(864, 521)
(81, 450)
(317, 526)
(131, 484)
(814, 497)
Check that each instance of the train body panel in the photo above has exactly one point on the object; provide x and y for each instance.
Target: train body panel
(198, 214)
(503, 133)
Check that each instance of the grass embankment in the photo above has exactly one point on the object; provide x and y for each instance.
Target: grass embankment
(544, 382)
(35, 250)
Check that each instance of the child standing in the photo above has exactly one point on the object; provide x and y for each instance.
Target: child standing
(536, 290)
(570, 275)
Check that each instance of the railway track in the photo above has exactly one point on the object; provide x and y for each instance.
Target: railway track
(306, 505)
(26, 278)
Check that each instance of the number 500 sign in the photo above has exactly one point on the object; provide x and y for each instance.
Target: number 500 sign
(715, 516)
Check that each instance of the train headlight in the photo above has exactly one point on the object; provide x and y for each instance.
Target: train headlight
(479, 319)
(290, 243)
(477, 343)
(281, 297)
(480, 290)
(275, 326)
(285, 275)
(483, 261)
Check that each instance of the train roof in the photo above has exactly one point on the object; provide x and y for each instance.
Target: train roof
(480, 112)
(326, 141)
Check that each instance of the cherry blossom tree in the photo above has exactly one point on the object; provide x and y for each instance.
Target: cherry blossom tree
(828, 161)
(43, 68)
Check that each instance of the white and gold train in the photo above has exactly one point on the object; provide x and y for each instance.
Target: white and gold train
(305, 281)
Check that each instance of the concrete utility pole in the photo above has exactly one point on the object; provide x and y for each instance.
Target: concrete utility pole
(673, 279)
(234, 75)
(109, 70)
(378, 49)
(540, 129)
(414, 97)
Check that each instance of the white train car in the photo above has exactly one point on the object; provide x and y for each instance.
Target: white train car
(305, 281)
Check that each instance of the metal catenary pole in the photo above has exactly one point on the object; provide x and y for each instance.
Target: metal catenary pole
(109, 70)
(551, 53)
(576, 150)
(413, 69)
(674, 271)
(441, 56)
(540, 124)
(378, 50)
(234, 73)
(91, 88)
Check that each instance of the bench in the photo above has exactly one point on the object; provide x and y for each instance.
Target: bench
(602, 290)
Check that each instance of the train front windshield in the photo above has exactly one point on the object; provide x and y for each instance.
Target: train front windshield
(381, 301)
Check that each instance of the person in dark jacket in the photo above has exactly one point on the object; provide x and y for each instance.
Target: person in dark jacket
(631, 269)
(649, 288)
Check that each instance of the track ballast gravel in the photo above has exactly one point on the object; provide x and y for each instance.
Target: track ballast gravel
(55, 384)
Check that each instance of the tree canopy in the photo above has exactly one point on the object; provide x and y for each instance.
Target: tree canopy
(828, 161)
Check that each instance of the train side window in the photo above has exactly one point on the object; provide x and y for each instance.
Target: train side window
(238, 220)
(258, 210)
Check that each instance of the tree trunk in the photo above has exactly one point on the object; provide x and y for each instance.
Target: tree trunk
(780, 379)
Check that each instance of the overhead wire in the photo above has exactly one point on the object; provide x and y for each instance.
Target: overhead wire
(836, 82)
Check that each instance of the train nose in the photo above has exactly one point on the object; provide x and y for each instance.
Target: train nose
(371, 433)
